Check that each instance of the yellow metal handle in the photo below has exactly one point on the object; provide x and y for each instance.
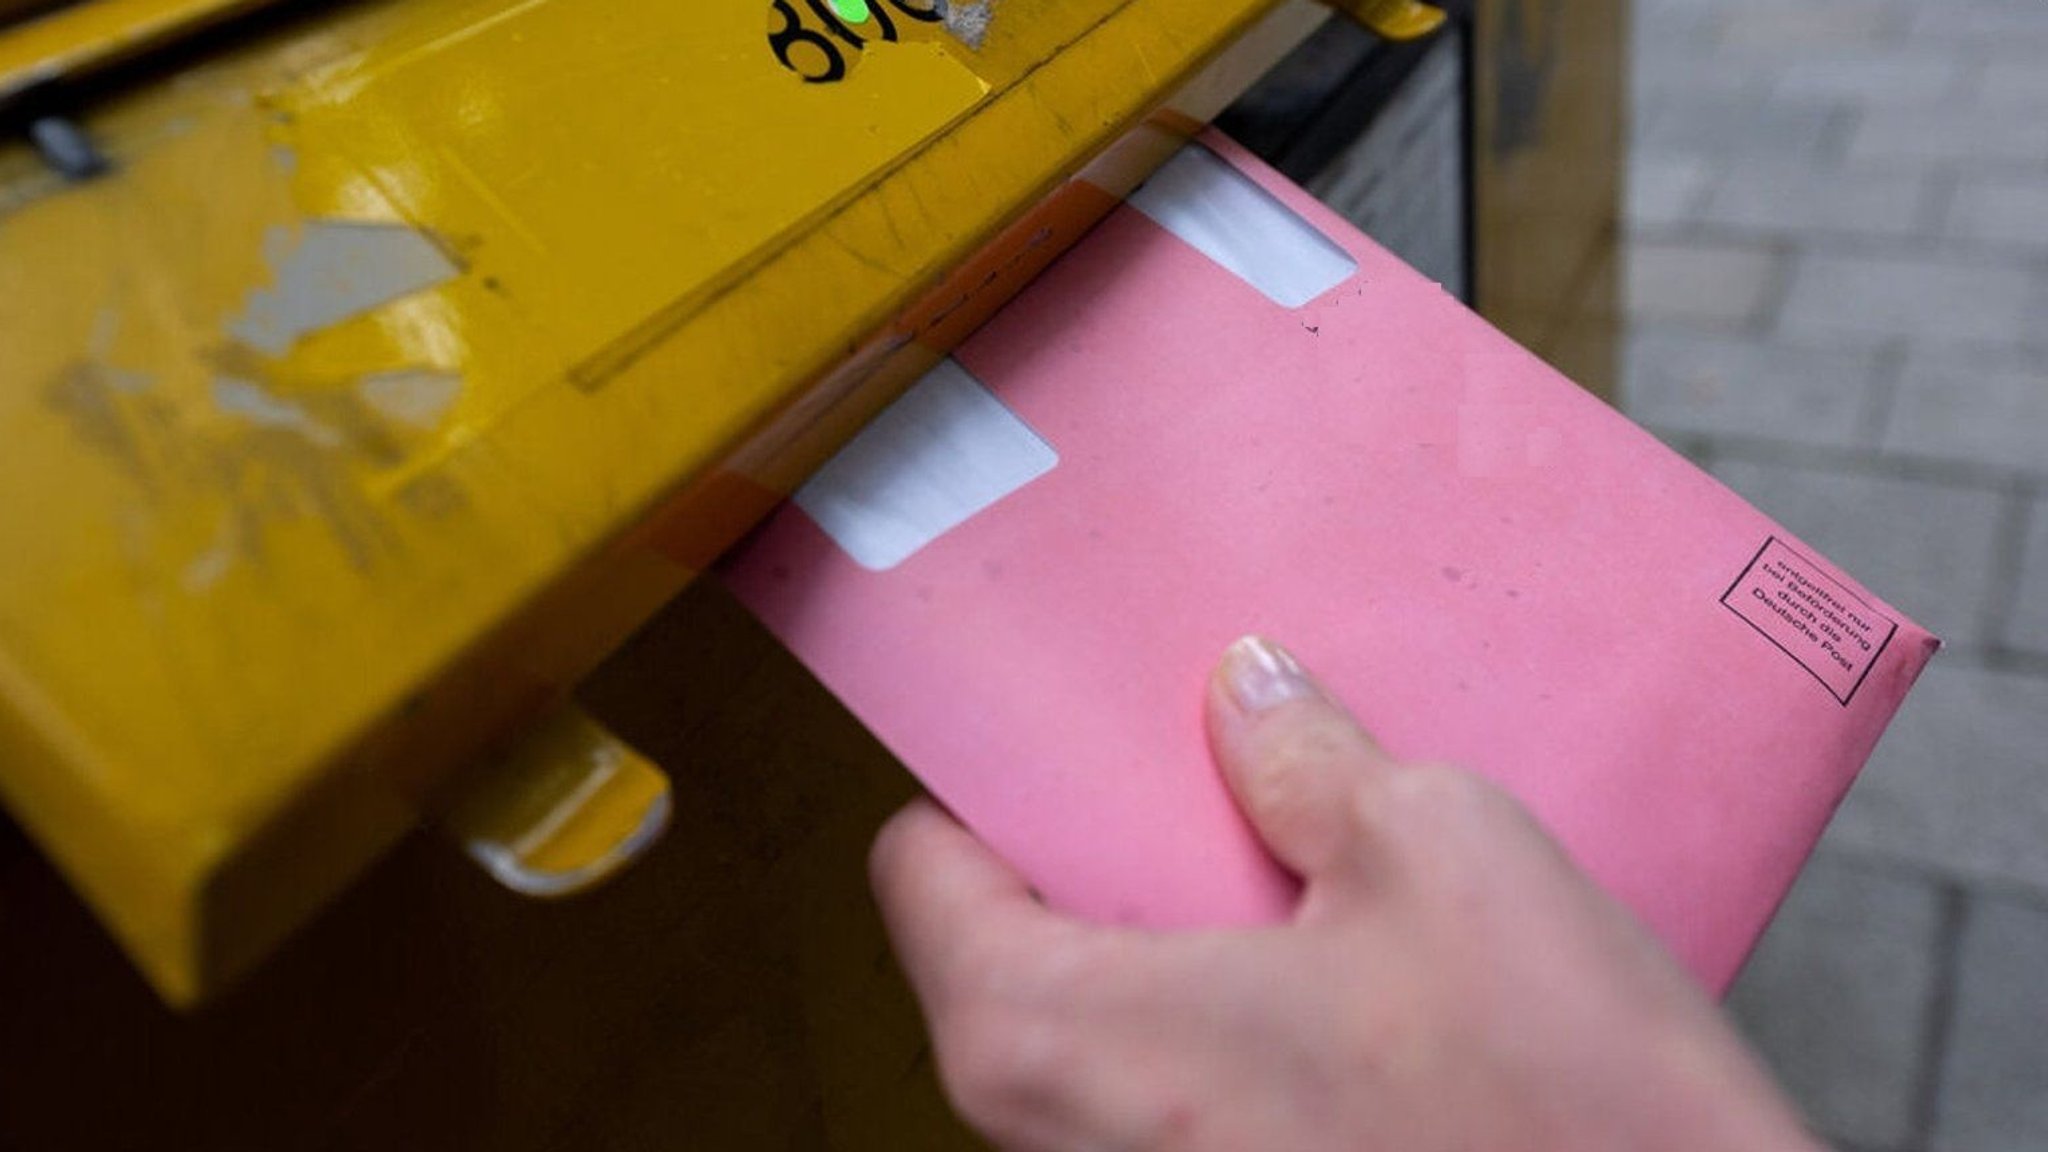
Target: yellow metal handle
(1394, 19)
(572, 806)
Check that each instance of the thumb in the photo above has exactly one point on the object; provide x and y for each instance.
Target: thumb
(1294, 758)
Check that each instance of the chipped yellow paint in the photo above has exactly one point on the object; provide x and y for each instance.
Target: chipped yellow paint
(274, 565)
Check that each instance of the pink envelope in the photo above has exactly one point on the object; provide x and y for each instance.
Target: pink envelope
(1488, 565)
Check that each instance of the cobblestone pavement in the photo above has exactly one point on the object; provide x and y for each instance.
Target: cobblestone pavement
(1838, 228)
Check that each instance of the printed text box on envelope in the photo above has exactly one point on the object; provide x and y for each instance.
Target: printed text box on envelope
(1829, 630)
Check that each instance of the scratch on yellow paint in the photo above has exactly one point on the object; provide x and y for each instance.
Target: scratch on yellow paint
(970, 20)
(326, 271)
(183, 364)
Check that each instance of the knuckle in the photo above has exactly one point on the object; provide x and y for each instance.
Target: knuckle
(1387, 1032)
(1278, 788)
(992, 974)
(1446, 812)
(1048, 973)
(1011, 1037)
(1432, 796)
(999, 1065)
(987, 972)
(1294, 770)
(1447, 790)
(1317, 741)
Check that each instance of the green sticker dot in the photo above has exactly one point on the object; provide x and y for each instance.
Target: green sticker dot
(851, 11)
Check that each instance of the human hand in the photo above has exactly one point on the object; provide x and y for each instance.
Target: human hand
(1449, 981)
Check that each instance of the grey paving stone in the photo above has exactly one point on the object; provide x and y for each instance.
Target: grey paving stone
(1893, 92)
(1935, 299)
(1995, 1081)
(2006, 210)
(1711, 283)
(2007, 24)
(1665, 190)
(1988, 409)
(1673, 47)
(1803, 29)
(1656, 27)
(1742, 128)
(1838, 998)
(1924, 547)
(2020, 78)
(1805, 200)
(2027, 625)
(1959, 785)
(1680, 73)
(1948, 133)
(1906, 76)
(1725, 385)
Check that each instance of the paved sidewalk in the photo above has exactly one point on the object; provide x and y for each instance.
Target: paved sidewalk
(1839, 289)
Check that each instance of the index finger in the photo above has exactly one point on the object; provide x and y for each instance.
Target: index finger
(946, 898)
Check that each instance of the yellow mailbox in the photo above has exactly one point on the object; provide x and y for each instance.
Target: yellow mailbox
(408, 353)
